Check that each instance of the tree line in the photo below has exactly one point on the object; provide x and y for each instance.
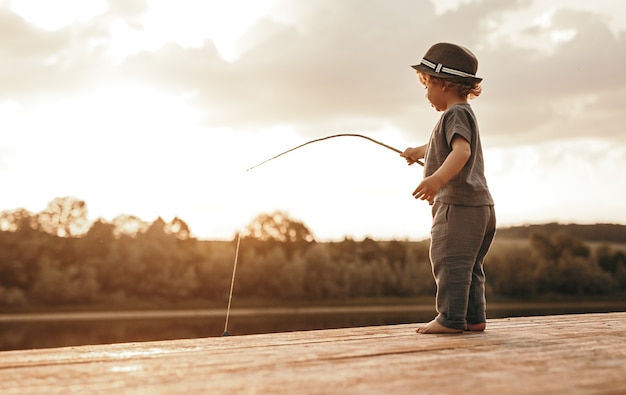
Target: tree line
(57, 258)
(606, 233)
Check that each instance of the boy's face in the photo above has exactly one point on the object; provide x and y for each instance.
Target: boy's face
(435, 93)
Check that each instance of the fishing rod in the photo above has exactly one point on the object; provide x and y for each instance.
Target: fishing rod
(330, 137)
(232, 282)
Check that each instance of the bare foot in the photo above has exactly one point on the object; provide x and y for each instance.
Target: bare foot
(476, 327)
(435, 327)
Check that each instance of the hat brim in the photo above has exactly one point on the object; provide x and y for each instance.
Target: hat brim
(427, 70)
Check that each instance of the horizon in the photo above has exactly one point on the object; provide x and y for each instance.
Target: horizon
(147, 222)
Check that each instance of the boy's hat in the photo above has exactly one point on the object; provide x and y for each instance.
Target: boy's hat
(449, 61)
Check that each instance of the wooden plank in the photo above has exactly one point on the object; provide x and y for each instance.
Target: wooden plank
(573, 354)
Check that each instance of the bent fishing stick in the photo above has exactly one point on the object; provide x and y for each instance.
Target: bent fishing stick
(232, 283)
(330, 137)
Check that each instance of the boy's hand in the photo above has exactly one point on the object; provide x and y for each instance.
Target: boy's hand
(412, 155)
(428, 188)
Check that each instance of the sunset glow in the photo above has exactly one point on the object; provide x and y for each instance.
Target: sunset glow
(158, 108)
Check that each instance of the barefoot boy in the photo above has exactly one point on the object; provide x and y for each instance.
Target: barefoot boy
(454, 183)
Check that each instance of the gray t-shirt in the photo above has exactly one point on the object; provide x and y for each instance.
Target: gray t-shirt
(469, 187)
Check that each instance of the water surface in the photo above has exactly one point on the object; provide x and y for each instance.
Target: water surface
(28, 331)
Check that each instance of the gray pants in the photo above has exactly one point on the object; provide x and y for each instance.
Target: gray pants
(460, 239)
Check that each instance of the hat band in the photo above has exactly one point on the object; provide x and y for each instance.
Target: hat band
(439, 68)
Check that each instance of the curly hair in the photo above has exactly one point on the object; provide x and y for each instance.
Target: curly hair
(464, 88)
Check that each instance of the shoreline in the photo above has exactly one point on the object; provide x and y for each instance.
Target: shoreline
(142, 314)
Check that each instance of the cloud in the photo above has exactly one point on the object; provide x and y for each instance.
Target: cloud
(129, 10)
(25, 52)
(39, 63)
(558, 91)
(344, 66)
(337, 64)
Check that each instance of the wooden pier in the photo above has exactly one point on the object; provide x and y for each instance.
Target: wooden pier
(565, 354)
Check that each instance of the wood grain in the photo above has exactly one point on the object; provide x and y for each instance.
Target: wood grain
(572, 354)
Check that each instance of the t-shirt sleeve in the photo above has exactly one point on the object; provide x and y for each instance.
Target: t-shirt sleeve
(457, 122)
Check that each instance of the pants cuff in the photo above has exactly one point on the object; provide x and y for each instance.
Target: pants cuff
(450, 324)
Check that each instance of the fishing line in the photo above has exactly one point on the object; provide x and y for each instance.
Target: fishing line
(232, 282)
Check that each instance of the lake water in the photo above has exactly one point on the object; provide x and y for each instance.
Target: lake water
(73, 329)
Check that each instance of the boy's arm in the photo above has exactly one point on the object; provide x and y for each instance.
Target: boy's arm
(412, 155)
(458, 157)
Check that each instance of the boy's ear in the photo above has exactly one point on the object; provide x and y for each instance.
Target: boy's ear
(439, 82)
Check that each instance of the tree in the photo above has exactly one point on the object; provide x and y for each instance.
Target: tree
(178, 228)
(129, 225)
(64, 217)
(277, 226)
(608, 260)
(17, 220)
(560, 243)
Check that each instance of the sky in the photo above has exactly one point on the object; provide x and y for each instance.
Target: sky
(157, 108)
